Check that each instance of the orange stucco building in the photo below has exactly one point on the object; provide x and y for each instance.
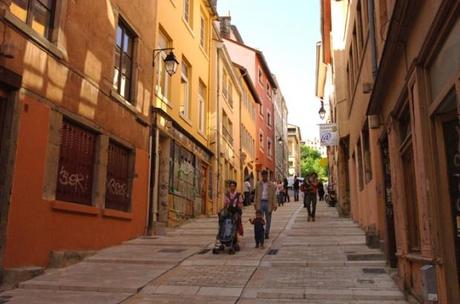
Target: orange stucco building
(74, 125)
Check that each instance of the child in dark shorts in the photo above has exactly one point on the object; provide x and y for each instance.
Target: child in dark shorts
(259, 230)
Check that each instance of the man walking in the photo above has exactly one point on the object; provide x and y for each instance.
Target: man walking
(296, 187)
(265, 200)
(309, 189)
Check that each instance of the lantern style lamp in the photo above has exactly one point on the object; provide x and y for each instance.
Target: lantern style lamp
(171, 63)
(170, 60)
(322, 111)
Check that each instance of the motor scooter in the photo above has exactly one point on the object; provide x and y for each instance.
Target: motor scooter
(331, 196)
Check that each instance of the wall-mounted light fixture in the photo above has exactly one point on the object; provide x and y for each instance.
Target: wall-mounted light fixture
(170, 60)
(322, 111)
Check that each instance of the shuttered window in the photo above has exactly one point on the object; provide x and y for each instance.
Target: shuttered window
(118, 184)
(76, 164)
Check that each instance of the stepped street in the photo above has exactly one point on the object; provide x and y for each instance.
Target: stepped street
(325, 261)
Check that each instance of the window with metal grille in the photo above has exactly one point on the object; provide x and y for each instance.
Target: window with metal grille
(118, 190)
(38, 14)
(76, 164)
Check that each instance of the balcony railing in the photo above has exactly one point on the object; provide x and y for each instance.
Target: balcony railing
(227, 135)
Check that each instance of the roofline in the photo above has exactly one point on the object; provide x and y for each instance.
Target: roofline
(261, 58)
(212, 6)
(244, 72)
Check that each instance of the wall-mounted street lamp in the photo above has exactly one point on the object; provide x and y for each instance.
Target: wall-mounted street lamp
(280, 140)
(322, 111)
(170, 60)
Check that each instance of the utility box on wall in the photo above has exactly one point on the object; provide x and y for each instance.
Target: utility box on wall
(429, 286)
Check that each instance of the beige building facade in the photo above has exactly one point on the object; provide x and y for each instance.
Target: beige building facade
(396, 102)
(294, 143)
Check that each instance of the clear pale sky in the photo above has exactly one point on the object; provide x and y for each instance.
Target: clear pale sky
(286, 31)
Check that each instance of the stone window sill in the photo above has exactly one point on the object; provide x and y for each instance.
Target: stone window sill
(74, 208)
(110, 213)
(42, 41)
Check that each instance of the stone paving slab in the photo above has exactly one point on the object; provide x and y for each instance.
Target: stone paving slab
(104, 277)
(139, 254)
(177, 299)
(209, 276)
(20, 296)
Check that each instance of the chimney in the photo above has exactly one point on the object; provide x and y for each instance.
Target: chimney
(225, 26)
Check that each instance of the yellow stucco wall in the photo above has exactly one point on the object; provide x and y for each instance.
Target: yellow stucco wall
(185, 39)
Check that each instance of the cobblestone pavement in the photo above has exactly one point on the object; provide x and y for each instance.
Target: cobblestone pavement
(304, 262)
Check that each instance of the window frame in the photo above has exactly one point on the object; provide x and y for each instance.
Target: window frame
(202, 97)
(129, 168)
(187, 14)
(126, 29)
(185, 89)
(162, 75)
(65, 178)
(49, 28)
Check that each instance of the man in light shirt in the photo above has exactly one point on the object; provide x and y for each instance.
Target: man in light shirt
(265, 200)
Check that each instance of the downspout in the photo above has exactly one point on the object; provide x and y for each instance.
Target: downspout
(371, 11)
(219, 47)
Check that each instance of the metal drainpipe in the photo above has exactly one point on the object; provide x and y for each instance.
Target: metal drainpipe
(371, 11)
(218, 126)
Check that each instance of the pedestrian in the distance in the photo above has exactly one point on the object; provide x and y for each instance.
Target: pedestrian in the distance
(259, 230)
(280, 193)
(286, 190)
(320, 191)
(247, 188)
(296, 187)
(265, 200)
(309, 188)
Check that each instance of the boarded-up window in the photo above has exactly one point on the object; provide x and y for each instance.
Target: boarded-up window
(76, 164)
(182, 172)
(118, 182)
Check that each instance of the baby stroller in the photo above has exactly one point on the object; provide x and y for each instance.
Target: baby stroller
(227, 235)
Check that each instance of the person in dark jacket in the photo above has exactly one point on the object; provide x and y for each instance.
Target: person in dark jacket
(286, 190)
(259, 229)
(321, 191)
(310, 188)
(296, 187)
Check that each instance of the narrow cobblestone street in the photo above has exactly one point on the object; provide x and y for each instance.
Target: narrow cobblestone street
(305, 262)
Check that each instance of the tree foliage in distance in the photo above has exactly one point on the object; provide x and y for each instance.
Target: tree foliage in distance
(310, 161)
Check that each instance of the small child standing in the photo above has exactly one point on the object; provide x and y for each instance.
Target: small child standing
(259, 231)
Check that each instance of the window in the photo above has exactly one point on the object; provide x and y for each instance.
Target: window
(359, 28)
(124, 44)
(185, 89)
(367, 155)
(182, 172)
(164, 80)
(118, 189)
(269, 91)
(230, 94)
(410, 189)
(76, 164)
(360, 166)
(204, 33)
(38, 14)
(227, 128)
(202, 107)
(225, 84)
(261, 110)
(187, 13)
(269, 119)
(261, 140)
(261, 80)
(269, 146)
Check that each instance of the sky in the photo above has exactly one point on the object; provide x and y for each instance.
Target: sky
(287, 35)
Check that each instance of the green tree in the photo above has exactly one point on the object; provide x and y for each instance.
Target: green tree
(311, 161)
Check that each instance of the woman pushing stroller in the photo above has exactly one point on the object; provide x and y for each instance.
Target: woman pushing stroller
(232, 212)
